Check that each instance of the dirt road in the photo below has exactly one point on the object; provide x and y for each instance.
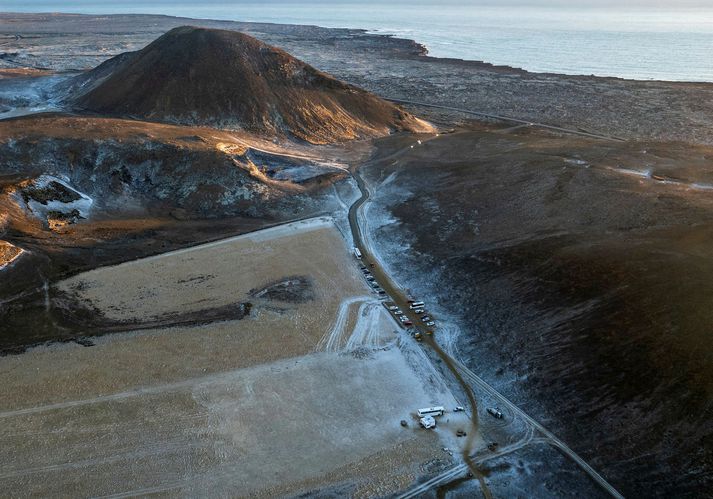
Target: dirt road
(466, 378)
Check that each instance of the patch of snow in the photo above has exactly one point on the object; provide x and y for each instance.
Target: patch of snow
(82, 205)
(636, 173)
(332, 340)
(578, 162)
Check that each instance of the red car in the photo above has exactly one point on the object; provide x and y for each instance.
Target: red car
(408, 323)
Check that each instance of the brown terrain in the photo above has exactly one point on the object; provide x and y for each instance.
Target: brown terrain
(153, 187)
(572, 273)
(228, 79)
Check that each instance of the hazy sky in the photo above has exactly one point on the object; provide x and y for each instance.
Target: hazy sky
(102, 5)
(561, 3)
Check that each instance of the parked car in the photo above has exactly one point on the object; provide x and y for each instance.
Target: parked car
(393, 307)
(459, 408)
(425, 318)
(430, 323)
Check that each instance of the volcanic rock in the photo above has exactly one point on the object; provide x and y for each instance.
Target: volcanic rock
(228, 79)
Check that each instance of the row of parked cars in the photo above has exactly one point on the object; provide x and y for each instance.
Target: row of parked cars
(400, 315)
(418, 308)
(371, 280)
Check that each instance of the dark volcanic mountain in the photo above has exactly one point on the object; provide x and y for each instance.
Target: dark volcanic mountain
(229, 79)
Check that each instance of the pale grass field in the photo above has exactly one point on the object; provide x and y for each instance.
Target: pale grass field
(250, 407)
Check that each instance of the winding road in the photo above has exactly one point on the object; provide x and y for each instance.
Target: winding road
(465, 377)
(507, 119)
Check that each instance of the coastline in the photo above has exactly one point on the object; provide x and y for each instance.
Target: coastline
(406, 46)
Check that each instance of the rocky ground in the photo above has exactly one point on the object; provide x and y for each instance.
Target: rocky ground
(76, 193)
(578, 273)
(391, 67)
(573, 274)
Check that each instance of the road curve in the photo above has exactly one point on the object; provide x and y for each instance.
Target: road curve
(550, 437)
(507, 119)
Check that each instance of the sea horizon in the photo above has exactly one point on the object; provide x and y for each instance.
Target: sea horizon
(633, 43)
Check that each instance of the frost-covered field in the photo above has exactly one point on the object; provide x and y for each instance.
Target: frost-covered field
(304, 393)
(24, 96)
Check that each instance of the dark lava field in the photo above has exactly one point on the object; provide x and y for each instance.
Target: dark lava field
(580, 273)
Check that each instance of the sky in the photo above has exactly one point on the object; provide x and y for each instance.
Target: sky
(15, 4)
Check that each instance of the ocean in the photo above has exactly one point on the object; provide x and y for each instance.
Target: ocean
(640, 43)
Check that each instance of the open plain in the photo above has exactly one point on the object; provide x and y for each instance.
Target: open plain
(292, 397)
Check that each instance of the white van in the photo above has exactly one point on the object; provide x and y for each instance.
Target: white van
(357, 253)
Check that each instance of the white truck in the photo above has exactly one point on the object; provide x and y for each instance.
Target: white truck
(427, 422)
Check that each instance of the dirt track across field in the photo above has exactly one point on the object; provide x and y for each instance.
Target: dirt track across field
(304, 393)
